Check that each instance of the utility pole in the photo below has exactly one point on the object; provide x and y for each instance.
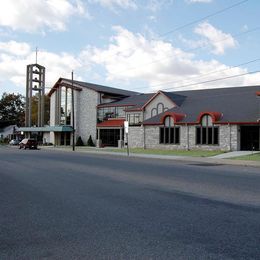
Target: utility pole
(73, 112)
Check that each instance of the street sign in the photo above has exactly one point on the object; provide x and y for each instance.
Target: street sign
(126, 125)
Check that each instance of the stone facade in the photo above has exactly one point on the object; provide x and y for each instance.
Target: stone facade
(136, 137)
(149, 136)
(158, 105)
(86, 114)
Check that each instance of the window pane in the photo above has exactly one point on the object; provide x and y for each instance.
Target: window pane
(177, 135)
(167, 121)
(167, 130)
(210, 121)
(198, 132)
(215, 135)
(204, 135)
(171, 135)
(210, 135)
(161, 135)
(160, 108)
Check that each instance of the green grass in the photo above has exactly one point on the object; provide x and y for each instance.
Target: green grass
(194, 153)
(251, 157)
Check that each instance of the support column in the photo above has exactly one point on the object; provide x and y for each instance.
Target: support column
(99, 141)
(120, 141)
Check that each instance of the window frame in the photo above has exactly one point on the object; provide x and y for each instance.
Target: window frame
(169, 134)
(207, 133)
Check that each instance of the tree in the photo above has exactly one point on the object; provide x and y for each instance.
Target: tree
(35, 109)
(12, 109)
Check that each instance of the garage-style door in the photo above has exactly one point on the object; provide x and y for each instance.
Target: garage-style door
(250, 138)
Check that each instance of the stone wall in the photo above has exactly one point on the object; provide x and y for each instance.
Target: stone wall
(136, 137)
(228, 138)
(86, 114)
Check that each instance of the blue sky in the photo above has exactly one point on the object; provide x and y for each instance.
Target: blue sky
(141, 45)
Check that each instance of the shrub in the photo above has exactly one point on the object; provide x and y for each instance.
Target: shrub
(79, 142)
(90, 141)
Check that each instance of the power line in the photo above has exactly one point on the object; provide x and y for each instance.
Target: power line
(194, 22)
(189, 50)
(202, 75)
(203, 18)
(214, 80)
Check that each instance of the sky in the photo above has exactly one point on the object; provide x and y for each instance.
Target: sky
(139, 45)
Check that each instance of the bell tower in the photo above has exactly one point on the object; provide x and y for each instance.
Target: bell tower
(35, 83)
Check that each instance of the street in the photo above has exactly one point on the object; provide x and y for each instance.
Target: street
(65, 205)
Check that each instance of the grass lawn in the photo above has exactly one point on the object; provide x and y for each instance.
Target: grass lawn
(251, 157)
(195, 153)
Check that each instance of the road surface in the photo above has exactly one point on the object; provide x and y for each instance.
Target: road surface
(65, 205)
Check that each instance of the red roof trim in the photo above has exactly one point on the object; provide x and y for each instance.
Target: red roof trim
(217, 123)
(215, 116)
(176, 117)
(112, 123)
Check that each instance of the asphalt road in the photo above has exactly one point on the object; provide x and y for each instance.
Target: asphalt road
(64, 205)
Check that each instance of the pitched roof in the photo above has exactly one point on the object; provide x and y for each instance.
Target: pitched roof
(95, 87)
(236, 105)
(136, 101)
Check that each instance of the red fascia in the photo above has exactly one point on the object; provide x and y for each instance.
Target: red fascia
(176, 117)
(112, 123)
(215, 116)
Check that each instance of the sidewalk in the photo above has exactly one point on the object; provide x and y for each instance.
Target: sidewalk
(218, 159)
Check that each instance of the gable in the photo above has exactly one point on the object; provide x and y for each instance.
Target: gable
(157, 104)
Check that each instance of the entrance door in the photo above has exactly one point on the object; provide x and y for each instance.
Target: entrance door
(110, 137)
(250, 136)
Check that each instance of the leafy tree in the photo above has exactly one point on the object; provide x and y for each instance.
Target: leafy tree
(35, 109)
(12, 109)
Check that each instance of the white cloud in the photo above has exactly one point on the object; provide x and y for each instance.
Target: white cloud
(199, 1)
(156, 5)
(15, 48)
(219, 40)
(128, 58)
(112, 4)
(13, 64)
(131, 57)
(31, 16)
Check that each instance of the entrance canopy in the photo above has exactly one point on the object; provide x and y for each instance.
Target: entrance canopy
(64, 128)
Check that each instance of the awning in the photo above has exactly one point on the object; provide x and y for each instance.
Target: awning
(63, 128)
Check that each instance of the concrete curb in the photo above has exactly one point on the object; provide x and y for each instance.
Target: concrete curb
(209, 160)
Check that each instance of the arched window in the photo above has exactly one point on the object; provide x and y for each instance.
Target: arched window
(207, 133)
(169, 133)
(154, 112)
(160, 108)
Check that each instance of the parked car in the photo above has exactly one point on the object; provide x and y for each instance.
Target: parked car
(28, 143)
(14, 142)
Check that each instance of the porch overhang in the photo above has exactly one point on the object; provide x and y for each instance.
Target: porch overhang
(64, 128)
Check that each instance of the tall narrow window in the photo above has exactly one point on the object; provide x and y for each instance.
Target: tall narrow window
(207, 133)
(169, 134)
(160, 108)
